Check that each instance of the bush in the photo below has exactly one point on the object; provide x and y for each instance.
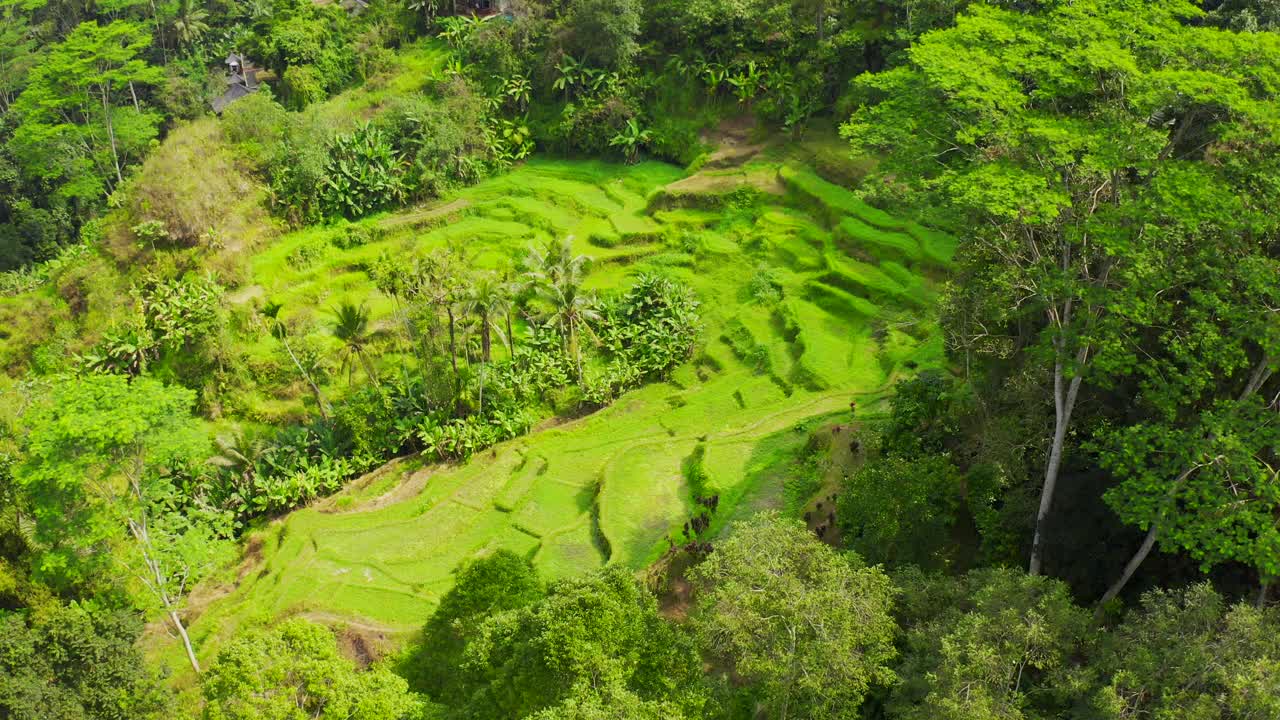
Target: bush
(652, 327)
(303, 85)
(895, 510)
(675, 140)
(296, 167)
(589, 125)
(190, 187)
(442, 137)
(257, 125)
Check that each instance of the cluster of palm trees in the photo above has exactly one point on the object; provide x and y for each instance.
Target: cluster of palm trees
(470, 305)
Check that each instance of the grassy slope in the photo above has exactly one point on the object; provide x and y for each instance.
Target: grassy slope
(607, 487)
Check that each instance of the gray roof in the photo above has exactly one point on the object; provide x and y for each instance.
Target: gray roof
(233, 93)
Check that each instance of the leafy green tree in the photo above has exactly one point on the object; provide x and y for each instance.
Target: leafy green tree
(587, 635)
(996, 643)
(351, 328)
(1207, 487)
(294, 672)
(899, 509)
(610, 702)
(1079, 150)
(603, 33)
(1187, 654)
(19, 53)
(493, 584)
(101, 452)
(74, 129)
(75, 662)
(811, 629)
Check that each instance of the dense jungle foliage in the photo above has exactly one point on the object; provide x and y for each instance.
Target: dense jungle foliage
(493, 295)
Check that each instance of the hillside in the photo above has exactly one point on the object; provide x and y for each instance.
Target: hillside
(810, 299)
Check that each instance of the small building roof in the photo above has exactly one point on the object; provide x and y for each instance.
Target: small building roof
(233, 93)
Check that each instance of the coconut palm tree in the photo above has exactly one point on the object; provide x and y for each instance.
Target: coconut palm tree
(241, 454)
(189, 22)
(555, 263)
(572, 308)
(351, 327)
(556, 275)
(487, 299)
(441, 279)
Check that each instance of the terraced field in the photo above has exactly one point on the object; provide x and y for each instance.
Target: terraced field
(810, 298)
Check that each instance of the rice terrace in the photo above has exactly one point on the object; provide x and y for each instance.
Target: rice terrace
(613, 486)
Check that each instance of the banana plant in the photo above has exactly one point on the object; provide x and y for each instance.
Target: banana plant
(518, 89)
(453, 30)
(631, 140)
(714, 75)
(747, 82)
(569, 75)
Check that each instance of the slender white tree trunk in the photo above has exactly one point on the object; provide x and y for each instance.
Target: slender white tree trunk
(1131, 567)
(1064, 402)
(315, 389)
(111, 132)
(158, 579)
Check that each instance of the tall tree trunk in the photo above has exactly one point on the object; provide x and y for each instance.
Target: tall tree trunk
(1064, 402)
(453, 345)
(111, 132)
(575, 343)
(315, 389)
(1145, 549)
(368, 369)
(484, 338)
(1261, 373)
(511, 340)
(157, 581)
(186, 640)
(821, 19)
(1130, 568)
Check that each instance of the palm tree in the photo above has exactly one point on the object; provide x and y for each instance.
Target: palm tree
(281, 333)
(440, 280)
(555, 263)
(572, 309)
(486, 299)
(189, 22)
(557, 276)
(241, 454)
(351, 327)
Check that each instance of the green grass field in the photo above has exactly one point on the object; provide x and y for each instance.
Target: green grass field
(608, 487)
